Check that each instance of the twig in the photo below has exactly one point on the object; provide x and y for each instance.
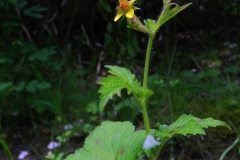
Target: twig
(72, 18)
(98, 69)
(24, 28)
(228, 149)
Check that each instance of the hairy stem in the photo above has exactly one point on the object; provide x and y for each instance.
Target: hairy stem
(145, 79)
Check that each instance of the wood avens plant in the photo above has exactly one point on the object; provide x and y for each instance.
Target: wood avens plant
(119, 140)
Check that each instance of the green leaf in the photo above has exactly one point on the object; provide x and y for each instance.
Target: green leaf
(111, 141)
(35, 11)
(108, 39)
(5, 85)
(31, 87)
(144, 93)
(169, 12)
(105, 5)
(163, 131)
(92, 107)
(151, 24)
(188, 125)
(63, 138)
(113, 84)
(127, 109)
(3, 59)
(42, 54)
(12, 1)
(210, 122)
(20, 86)
(43, 85)
(22, 3)
(212, 73)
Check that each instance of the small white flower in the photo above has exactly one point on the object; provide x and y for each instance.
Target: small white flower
(81, 120)
(150, 142)
(23, 154)
(53, 145)
(68, 127)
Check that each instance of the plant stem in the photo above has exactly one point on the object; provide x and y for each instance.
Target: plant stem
(145, 79)
(158, 149)
(145, 118)
(4, 144)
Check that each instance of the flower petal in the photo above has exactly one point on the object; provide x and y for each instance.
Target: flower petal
(23, 154)
(130, 13)
(118, 16)
(132, 1)
(150, 142)
(135, 8)
(53, 145)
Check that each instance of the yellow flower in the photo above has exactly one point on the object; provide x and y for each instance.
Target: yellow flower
(126, 8)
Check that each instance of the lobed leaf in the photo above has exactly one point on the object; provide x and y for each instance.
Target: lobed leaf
(210, 122)
(119, 79)
(144, 93)
(188, 125)
(169, 12)
(110, 141)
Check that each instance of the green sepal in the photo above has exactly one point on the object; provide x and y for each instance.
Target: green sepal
(151, 24)
(147, 152)
(188, 125)
(129, 26)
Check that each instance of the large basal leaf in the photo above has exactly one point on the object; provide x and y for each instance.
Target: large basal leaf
(119, 79)
(188, 125)
(111, 141)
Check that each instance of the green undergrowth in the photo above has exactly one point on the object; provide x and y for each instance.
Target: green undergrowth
(212, 92)
(45, 85)
(201, 94)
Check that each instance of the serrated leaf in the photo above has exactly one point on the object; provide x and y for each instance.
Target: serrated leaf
(169, 12)
(210, 122)
(191, 127)
(110, 85)
(182, 121)
(119, 79)
(163, 131)
(144, 93)
(111, 141)
(125, 75)
(188, 125)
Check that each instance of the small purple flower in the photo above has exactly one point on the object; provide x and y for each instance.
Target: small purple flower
(68, 127)
(23, 154)
(53, 145)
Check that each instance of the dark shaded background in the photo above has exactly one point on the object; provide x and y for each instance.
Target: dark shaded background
(52, 53)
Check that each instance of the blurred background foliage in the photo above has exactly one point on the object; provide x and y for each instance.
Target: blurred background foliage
(53, 52)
